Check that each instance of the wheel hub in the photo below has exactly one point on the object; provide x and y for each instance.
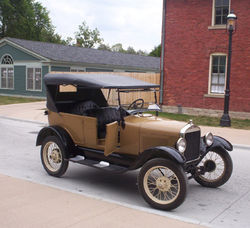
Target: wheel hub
(163, 184)
(209, 165)
(55, 156)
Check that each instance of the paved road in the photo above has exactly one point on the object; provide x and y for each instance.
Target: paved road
(222, 207)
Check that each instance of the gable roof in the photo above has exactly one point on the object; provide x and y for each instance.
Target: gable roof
(72, 54)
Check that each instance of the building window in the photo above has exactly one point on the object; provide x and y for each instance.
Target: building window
(77, 69)
(34, 79)
(7, 60)
(221, 10)
(218, 71)
(7, 72)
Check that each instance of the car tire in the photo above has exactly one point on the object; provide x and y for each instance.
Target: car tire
(53, 156)
(162, 183)
(220, 166)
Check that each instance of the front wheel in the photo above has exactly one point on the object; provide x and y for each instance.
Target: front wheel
(53, 156)
(217, 166)
(162, 183)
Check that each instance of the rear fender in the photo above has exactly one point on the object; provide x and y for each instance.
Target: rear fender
(158, 152)
(55, 131)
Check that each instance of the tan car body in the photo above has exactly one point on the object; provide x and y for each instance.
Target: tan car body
(141, 132)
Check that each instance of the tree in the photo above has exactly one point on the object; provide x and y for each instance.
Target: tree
(117, 48)
(86, 37)
(104, 47)
(141, 52)
(156, 52)
(69, 41)
(131, 50)
(26, 19)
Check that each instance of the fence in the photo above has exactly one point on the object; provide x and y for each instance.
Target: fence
(128, 98)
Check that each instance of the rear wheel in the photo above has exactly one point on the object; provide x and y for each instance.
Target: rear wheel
(162, 183)
(218, 168)
(53, 155)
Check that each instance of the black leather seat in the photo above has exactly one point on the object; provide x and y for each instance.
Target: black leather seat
(81, 108)
(105, 116)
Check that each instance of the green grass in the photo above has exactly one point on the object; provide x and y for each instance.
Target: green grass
(207, 121)
(4, 100)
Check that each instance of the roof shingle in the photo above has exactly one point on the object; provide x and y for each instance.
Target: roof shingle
(63, 53)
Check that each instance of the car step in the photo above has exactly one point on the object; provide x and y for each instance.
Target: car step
(103, 165)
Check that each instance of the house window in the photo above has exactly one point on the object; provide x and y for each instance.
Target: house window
(218, 71)
(7, 60)
(34, 79)
(77, 69)
(7, 72)
(221, 10)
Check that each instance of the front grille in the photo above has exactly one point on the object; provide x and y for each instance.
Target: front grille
(193, 145)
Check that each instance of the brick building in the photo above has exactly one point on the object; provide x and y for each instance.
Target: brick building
(195, 56)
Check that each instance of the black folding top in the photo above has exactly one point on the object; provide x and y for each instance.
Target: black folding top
(96, 81)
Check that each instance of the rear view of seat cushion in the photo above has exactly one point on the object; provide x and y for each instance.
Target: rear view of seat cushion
(105, 116)
(81, 108)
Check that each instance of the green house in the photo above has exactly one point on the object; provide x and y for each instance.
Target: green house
(23, 64)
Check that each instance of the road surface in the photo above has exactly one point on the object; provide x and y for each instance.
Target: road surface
(227, 206)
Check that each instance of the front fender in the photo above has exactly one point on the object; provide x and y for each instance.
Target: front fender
(57, 131)
(219, 143)
(158, 152)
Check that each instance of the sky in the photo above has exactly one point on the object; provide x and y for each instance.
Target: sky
(135, 23)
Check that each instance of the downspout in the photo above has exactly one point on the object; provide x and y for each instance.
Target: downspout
(163, 30)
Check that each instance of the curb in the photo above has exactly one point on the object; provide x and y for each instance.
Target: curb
(22, 120)
(242, 146)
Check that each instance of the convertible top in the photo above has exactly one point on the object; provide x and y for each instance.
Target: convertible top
(97, 81)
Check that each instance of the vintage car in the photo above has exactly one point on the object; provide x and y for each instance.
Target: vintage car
(85, 129)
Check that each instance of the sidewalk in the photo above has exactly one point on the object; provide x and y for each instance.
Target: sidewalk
(25, 204)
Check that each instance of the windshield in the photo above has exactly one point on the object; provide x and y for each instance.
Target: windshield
(133, 99)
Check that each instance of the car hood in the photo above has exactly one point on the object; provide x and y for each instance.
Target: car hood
(162, 125)
(156, 131)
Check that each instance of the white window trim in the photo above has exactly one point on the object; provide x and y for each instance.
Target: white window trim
(213, 25)
(34, 67)
(30, 64)
(210, 75)
(78, 68)
(7, 66)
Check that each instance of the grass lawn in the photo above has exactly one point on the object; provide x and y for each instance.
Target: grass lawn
(4, 100)
(207, 121)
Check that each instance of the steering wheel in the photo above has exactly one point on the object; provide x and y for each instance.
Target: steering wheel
(138, 103)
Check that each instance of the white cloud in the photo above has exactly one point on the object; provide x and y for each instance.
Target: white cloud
(135, 23)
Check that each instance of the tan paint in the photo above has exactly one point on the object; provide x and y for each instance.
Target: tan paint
(140, 132)
(90, 131)
(111, 138)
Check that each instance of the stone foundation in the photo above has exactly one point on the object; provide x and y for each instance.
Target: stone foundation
(203, 112)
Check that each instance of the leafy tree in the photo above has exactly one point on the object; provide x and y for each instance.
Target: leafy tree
(105, 47)
(141, 52)
(156, 52)
(26, 19)
(69, 41)
(117, 48)
(86, 37)
(131, 50)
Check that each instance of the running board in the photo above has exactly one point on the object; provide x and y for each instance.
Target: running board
(103, 165)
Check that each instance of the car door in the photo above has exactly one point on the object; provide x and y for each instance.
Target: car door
(111, 141)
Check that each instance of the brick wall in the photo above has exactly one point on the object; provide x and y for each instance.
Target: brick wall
(189, 43)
